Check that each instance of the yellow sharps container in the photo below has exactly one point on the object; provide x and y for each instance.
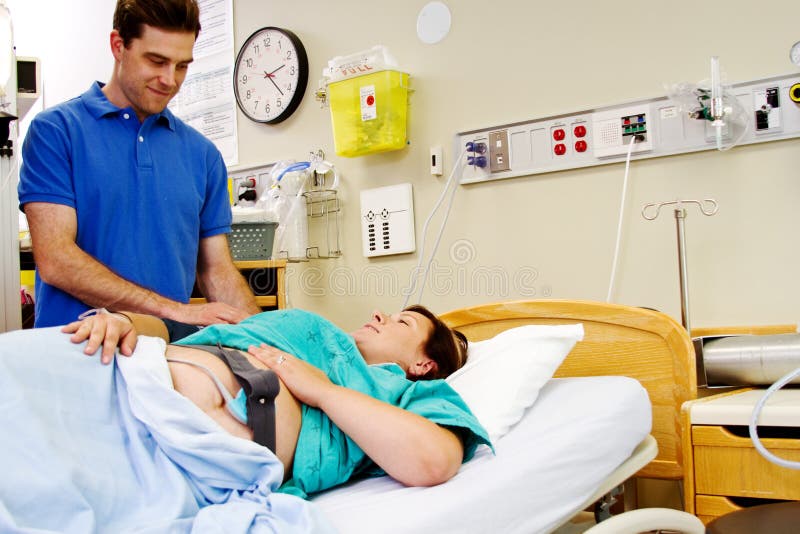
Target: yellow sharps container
(369, 112)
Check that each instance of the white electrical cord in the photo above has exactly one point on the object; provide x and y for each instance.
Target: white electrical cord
(438, 240)
(459, 165)
(754, 422)
(615, 261)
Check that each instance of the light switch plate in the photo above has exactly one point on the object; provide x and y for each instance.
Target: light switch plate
(436, 160)
(387, 220)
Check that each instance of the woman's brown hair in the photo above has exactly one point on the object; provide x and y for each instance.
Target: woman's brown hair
(445, 346)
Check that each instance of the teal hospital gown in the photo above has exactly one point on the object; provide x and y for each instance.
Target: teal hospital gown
(325, 456)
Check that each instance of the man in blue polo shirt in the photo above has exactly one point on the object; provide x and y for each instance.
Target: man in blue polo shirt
(127, 204)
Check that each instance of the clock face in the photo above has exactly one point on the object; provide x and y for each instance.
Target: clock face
(270, 75)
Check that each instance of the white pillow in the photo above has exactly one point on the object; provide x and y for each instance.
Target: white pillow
(504, 374)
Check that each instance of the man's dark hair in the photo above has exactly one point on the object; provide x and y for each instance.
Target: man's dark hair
(171, 15)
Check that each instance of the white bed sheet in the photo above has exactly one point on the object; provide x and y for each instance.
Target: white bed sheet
(578, 431)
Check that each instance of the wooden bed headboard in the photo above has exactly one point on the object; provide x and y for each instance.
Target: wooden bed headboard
(619, 340)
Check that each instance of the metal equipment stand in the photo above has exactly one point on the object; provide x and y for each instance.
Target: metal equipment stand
(650, 212)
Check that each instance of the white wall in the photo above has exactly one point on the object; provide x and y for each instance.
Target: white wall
(521, 60)
(70, 39)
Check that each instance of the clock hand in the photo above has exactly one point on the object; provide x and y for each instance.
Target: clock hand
(276, 70)
(270, 75)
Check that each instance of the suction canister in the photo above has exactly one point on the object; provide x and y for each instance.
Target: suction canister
(750, 360)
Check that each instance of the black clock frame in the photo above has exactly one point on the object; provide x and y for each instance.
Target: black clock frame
(302, 80)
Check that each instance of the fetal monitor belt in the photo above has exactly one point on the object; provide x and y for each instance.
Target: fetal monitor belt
(261, 386)
(749, 360)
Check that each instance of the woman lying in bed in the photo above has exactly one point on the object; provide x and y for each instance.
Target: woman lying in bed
(347, 404)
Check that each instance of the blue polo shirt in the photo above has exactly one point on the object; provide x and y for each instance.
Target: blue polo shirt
(144, 193)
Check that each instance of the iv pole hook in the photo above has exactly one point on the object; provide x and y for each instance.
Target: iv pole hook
(708, 207)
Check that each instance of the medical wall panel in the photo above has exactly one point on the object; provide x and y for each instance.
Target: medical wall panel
(649, 128)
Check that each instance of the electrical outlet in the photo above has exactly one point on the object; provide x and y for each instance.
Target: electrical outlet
(257, 178)
(499, 158)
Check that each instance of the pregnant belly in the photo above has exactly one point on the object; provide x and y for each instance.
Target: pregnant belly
(197, 386)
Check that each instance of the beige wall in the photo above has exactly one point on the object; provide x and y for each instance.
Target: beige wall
(521, 60)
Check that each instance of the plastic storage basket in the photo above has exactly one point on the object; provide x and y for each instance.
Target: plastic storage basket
(252, 241)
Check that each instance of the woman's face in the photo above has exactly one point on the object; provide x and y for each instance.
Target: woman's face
(398, 338)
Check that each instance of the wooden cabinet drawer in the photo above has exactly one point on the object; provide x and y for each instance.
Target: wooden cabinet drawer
(708, 507)
(266, 279)
(727, 464)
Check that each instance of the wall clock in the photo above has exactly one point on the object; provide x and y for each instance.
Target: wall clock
(270, 75)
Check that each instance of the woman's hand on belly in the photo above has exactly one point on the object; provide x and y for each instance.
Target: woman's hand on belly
(307, 383)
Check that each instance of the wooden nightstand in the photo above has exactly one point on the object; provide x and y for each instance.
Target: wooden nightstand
(267, 280)
(723, 471)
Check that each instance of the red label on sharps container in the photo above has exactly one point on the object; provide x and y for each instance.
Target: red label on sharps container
(368, 109)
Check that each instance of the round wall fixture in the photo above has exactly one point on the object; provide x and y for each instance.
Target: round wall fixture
(794, 52)
(433, 22)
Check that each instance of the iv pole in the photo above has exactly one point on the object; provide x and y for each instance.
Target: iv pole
(650, 212)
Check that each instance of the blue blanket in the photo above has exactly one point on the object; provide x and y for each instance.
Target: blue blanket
(92, 448)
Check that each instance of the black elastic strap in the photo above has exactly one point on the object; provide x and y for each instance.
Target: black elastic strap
(261, 386)
(177, 330)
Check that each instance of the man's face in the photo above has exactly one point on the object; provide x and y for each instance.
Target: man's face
(152, 68)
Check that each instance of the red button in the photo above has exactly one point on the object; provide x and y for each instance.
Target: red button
(580, 130)
(560, 149)
(370, 100)
(580, 146)
(559, 134)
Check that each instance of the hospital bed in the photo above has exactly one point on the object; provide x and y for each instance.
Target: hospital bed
(588, 431)
(610, 413)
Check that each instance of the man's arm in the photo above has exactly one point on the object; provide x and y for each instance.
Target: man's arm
(219, 279)
(61, 263)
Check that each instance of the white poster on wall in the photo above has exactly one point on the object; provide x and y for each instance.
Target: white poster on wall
(206, 100)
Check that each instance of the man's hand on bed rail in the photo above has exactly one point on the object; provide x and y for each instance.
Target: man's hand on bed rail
(111, 330)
